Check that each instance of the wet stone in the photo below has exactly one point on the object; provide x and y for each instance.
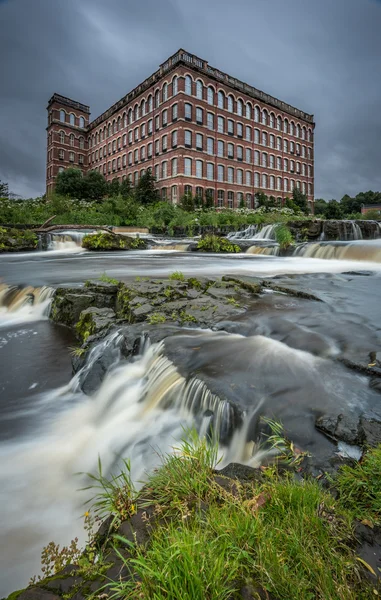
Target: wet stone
(140, 313)
(37, 593)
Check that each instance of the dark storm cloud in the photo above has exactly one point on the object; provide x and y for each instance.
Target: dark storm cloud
(319, 55)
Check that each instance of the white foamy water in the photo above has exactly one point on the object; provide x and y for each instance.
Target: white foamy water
(23, 305)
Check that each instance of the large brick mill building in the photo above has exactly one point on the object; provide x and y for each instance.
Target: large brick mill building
(198, 129)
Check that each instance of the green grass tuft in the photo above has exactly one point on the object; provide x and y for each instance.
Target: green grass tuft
(177, 276)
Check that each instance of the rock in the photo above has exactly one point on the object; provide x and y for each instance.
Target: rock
(103, 241)
(359, 430)
(17, 240)
(140, 313)
(65, 584)
(67, 306)
(243, 473)
(369, 548)
(37, 593)
(370, 427)
(138, 528)
(94, 320)
(102, 287)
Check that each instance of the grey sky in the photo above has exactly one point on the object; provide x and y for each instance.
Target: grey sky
(323, 56)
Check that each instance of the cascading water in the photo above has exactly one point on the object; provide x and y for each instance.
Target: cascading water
(364, 250)
(264, 250)
(68, 241)
(251, 233)
(19, 304)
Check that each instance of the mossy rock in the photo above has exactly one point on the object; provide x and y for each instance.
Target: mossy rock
(93, 320)
(103, 241)
(213, 243)
(17, 240)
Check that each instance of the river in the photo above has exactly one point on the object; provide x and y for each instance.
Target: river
(277, 356)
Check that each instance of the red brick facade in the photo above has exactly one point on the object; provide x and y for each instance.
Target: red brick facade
(198, 129)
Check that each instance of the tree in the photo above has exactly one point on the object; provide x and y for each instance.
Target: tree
(145, 191)
(113, 187)
(333, 210)
(320, 207)
(300, 200)
(187, 202)
(261, 199)
(94, 186)
(125, 189)
(4, 189)
(70, 183)
(209, 200)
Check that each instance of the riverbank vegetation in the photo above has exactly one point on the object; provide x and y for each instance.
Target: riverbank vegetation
(193, 533)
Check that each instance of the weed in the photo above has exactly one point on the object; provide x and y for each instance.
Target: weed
(233, 302)
(213, 243)
(77, 351)
(177, 276)
(107, 279)
(156, 318)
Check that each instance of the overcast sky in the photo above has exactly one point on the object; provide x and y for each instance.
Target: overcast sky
(322, 56)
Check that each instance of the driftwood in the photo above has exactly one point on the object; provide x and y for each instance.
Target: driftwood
(44, 229)
(48, 221)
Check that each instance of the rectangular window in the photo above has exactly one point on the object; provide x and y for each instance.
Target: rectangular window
(272, 161)
(136, 135)
(157, 172)
(210, 121)
(248, 178)
(150, 127)
(165, 118)
(220, 198)
(124, 160)
(188, 139)
(61, 154)
(239, 176)
(80, 159)
(164, 144)
(220, 124)
(125, 140)
(220, 148)
(164, 170)
(129, 137)
(199, 116)
(174, 139)
(210, 146)
(199, 141)
(230, 175)
(136, 155)
(239, 130)
(174, 167)
(256, 136)
(174, 112)
(239, 153)
(210, 171)
(256, 180)
(230, 127)
(119, 162)
(220, 173)
(248, 155)
(199, 169)
(114, 165)
(188, 112)
(130, 158)
(157, 123)
(109, 147)
(157, 147)
(149, 150)
(143, 130)
(230, 199)
(248, 133)
(187, 166)
(264, 159)
(71, 156)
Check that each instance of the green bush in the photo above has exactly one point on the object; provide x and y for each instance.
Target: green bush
(283, 236)
(110, 241)
(213, 243)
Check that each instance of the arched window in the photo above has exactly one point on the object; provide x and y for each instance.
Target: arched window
(109, 130)
(175, 85)
(136, 112)
(81, 122)
(272, 141)
(279, 183)
(264, 117)
(285, 146)
(62, 137)
(257, 113)
(257, 180)
(298, 131)
(81, 143)
(72, 140)
(165, 92)
(285, 185)
(188, 85)
(310, 135)
(264, 159)
(199, 89)
(164, 169)
(264, 181)
(248, 177)
(292, 128)
(256, 136)
(96, 138)
(264, 138)
(272, 182)
(150, 103)
(248, 110)
(272, 120)
(157, 99)
(210, 96)
(72, 119)
(285, 126)
(240, 108)
(303, 133)
(279, 124)
(62, 116)
(221, 99)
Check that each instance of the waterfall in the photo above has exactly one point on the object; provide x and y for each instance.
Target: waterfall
(251, 233)
(244, 234)
(23, 304)
(68, 241)
(357, 250)
(264, 250)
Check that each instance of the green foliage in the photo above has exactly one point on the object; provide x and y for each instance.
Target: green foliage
(187, 202)
(300, 200)
(283, 236)
(110, 241)
(17, 239)
(85, 326)
(373, 215)
(94, 186)
(70, 183)
(156, 318)
(177, 276)
(360, 486)
(213, 243)
(333, 210)
(145, 191)
(113, 187)
(4, 189)
(104, 277)
(320, 207)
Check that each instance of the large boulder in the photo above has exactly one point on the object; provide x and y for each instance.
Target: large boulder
(17, 240)
(68, 303)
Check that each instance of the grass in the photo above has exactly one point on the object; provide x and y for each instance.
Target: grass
(360, 487)
(283, 236)
(77, 351)
(177, 276)
(106, 279)
(156, 318)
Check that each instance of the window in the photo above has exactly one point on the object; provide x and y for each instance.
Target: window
(157, 123)
(188, 112)
(210, 121)
(248, 155)
(199, 89)
(292, 128)
(210, 171)
(303, 133)
(130, 137)
(298, 149)
(61, 154)
(272, 182)
(239, 130)
(285, 126)
(309, 171)
(149, 150)
(240, 199)
(165, 92)
(256, 136)
(220, 148)
(292, 148)
(157, 99)
(61, 169)
(264, 159)
(257, 114)
(71, 156)
(136, 155)
(114, 146)
(81, 122)
(285, 164)
(279, 183)
(124, 160)
(298, 131)
(264, 181)
(62, 137)
(272, 120)
(257, 181)
(221, 99)
(256, 157)
(174, 166)
(310, 189)
(174, 194)
(210, 96)
(248, 110)
(249, 201)
(264, 138)
(239, 176)
(175, 85)
(109, 147)
(72, 119)
(124, 140)
(164, 118)
(188, 139)
(149, 127)
(199, 116)
(187, 166)
(292, 185)
(157, 147)
(119, 163)
(109, 131)
(220, 173)
(62, 116)
(285, 185)
(279, 124)
(248, 177)
(114, 123)
(279, 143)
(239, 153)
(130, 116)
(292, 166)
(230, 175)
(188, 85)
(164, 170)
(304, 187)
(174, 112)
(96, 155)
(199, 141)
(174, 139)
(230, 150)
(304, 170)
(164, 143)
(272, 141)
(264, 117)
(310, 153)
(285, 146)
(199, 169)
(210, 145)
(157, 172)
(248, 133)
(220, 198)
(230, 104)
(230, 127)
(272, 161)
(220, 124)
(240, 108)
(124, 123)
(230, 199)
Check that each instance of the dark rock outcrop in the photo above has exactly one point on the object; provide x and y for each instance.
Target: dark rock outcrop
(361, 430)
(17, 240)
